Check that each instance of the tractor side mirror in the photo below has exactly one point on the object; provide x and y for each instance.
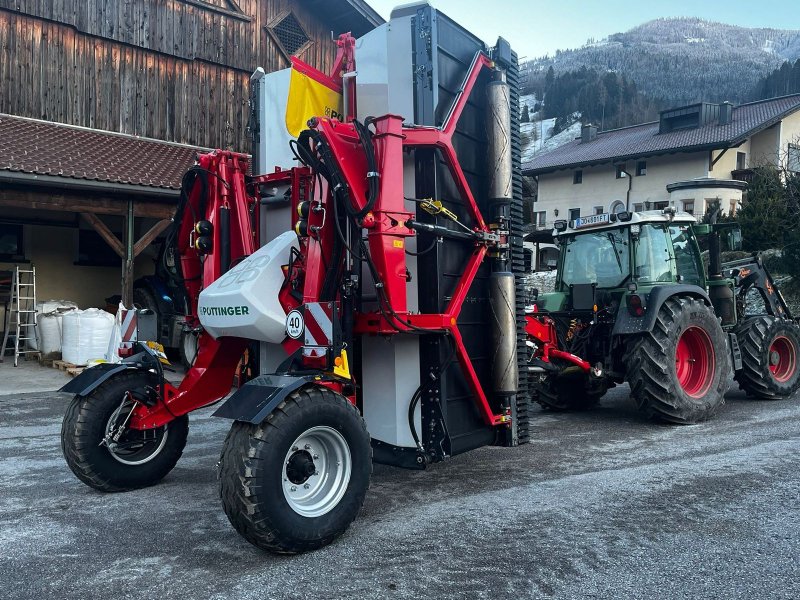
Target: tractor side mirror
(734, 239)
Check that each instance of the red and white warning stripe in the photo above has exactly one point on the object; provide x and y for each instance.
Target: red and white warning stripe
(128, 326)
(318, 328)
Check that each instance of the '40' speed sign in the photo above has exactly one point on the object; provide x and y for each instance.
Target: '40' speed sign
(295, 325)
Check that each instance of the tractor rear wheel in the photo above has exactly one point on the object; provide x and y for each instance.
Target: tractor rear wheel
(295, 482)
(679, 371)
(770, 353)
(105, 454)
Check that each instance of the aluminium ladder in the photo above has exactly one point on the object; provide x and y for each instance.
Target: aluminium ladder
(21, 313)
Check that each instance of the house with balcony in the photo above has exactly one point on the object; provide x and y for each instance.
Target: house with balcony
(692, 156)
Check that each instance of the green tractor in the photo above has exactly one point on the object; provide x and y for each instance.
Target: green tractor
(634, 302)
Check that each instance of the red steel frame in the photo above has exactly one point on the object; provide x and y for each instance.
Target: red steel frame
(387, 225)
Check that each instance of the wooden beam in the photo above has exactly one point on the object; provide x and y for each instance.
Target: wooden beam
(148, 237)
(105, 233)
(82, 204)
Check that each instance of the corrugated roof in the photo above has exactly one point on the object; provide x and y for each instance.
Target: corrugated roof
(46, 148)
(644, 140)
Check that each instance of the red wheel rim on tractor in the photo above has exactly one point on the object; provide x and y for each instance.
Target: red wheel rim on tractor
(694, 362)
(782, 359)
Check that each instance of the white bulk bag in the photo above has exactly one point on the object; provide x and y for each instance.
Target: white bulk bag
(52, 329)
(85, 335)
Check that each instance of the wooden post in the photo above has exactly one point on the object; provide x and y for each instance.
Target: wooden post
(127, 263)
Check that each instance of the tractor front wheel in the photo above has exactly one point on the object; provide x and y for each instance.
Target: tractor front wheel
(107, 455)
(566, 392)
(295, 482)
(770, 353)
(679, 371)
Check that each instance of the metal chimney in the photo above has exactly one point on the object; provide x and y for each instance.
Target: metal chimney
(725, 113)
(588, 133)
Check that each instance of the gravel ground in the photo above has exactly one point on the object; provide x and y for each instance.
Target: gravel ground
(602, 504)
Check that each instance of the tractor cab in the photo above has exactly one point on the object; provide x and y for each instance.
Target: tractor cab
(619, 254)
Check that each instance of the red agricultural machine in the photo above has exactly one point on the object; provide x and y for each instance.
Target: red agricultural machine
(372, 275)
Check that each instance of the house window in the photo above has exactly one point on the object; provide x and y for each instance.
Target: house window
(793, 158)
(638, 207)
(541, 218)
(577, 177)
(11, 248)
(741, 161)
(598, 210)
(574, 213)
(733, 208)
(641, 168)
(289, 34)
(93, 251)
(621, 171)
(688, 206)
(660, 205)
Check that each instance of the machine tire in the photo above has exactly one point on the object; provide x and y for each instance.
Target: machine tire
(254, 472)
(188, 347)
(765, 340)
(144, 299)
(565, 395)
(85, 425)
(679, 372)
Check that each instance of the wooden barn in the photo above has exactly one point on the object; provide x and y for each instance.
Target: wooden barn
(105, 103)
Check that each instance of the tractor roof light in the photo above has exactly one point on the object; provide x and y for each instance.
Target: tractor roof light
(560, 225)
(624, 216)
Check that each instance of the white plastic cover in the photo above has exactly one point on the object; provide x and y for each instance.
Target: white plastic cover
(85, 335)
(244, 302)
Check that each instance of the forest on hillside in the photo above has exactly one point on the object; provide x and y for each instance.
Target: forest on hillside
(628, 77)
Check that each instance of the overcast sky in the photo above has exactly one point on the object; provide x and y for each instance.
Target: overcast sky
(539, 27)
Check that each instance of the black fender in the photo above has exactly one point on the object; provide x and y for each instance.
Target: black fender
(91, 378)
(253, 402)
(627, 324)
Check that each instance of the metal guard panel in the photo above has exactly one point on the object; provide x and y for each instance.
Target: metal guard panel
(627, 324)
(253, 402)
(91, 378)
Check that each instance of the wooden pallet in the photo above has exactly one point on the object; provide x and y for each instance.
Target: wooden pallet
(69, 368)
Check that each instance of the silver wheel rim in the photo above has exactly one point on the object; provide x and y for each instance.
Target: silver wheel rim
(149, 437)
(326, 451)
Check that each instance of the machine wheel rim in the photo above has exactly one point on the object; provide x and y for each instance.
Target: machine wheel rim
(313, 494)
(782, 359)
(135, 447)
(694, 362)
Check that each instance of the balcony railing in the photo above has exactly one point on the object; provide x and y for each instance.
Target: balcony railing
(745, 175)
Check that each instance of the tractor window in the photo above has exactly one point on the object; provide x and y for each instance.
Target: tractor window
(685, 259)
(652, 255)
(600, 257)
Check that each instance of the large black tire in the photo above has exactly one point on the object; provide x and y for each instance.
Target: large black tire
(142, 298)
(565, 393)
(84, 428)
(770, 351)
(256, 483)
(188, 347)
(679, 372)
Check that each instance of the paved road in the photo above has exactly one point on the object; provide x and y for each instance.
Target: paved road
(602, 504)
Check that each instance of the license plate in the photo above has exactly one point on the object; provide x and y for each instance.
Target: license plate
(592, 220)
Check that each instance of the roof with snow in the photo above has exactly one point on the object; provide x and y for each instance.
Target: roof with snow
(644, 140)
